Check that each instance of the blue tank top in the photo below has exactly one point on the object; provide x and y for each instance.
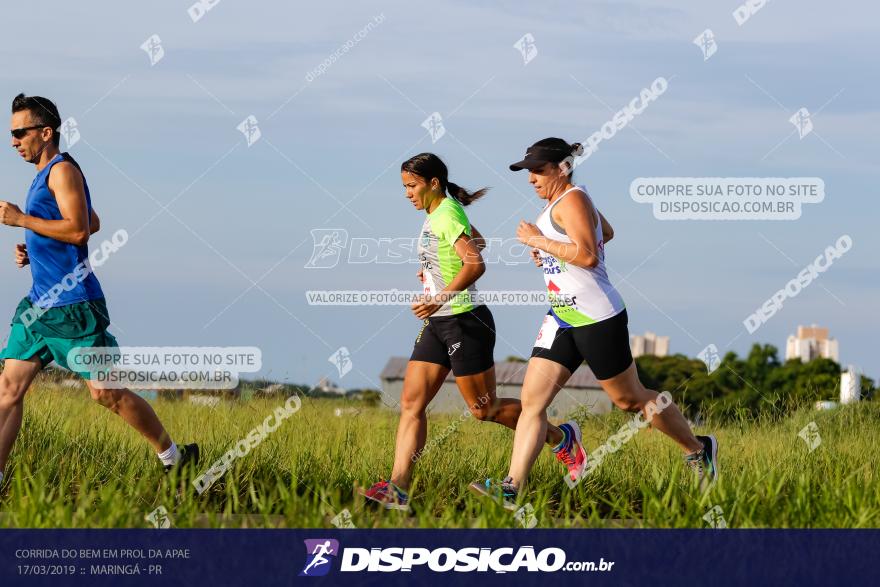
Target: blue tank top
(57, 281)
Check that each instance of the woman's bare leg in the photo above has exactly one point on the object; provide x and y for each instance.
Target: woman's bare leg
(421, 383)
(479, 393)
(543, 380)
(628, 394)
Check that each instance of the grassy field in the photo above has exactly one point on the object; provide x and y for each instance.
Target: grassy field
(77, 465)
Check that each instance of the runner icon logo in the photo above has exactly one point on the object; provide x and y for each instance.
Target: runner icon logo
(318, 553)
(328, 244)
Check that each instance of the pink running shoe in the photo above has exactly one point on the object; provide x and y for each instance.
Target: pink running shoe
(572, 455)
(388, 495)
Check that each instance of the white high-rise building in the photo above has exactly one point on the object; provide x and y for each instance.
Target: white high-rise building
(649, 344)
(850, 386)
(811, 342)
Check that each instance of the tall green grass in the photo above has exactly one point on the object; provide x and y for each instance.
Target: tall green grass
(77, 465)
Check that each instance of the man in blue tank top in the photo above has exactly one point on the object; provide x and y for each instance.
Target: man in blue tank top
(65, 308)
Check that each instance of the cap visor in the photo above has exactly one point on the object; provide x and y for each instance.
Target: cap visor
(527, 164)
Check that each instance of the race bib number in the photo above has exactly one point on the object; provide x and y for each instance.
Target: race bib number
(428, 284)
(547, 334)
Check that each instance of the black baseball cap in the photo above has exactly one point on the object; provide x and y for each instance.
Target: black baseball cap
(549, 150)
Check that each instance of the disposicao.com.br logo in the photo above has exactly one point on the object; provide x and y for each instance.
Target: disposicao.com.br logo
(442, 560)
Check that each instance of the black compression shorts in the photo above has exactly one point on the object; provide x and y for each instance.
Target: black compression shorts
(604, 345)
(463, 342)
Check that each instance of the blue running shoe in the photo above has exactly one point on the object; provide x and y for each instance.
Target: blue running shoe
(704, 462)
(504, 493)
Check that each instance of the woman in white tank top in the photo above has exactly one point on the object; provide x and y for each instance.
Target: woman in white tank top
(579, 295)
(587, 321)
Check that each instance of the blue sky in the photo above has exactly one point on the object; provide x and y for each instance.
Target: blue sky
(151, 135)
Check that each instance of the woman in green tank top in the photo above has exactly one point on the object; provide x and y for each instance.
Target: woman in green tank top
(457, 333)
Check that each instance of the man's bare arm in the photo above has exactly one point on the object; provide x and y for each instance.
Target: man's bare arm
(94, 222)
(66, 184)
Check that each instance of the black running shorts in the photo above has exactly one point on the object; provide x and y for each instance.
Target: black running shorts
(463, 342)
(604, 345)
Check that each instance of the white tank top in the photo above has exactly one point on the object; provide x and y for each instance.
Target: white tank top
(577, 296)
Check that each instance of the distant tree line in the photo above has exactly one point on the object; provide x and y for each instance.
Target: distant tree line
(759, 384)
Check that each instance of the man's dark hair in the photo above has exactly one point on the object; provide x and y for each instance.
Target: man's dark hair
(43, 111)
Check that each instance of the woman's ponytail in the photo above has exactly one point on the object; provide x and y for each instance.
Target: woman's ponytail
(429, 166)
(464, 197)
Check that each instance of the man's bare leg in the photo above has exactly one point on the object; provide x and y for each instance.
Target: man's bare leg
(15, 380)
(136, 412)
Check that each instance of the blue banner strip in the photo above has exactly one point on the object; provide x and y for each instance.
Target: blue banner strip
(392, 557)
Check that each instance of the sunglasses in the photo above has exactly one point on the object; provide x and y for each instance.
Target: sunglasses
(20, 133)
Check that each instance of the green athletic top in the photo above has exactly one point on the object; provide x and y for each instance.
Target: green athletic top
(440, 263)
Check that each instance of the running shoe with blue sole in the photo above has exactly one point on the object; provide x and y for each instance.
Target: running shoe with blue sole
(704, 463)
(504, 493)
